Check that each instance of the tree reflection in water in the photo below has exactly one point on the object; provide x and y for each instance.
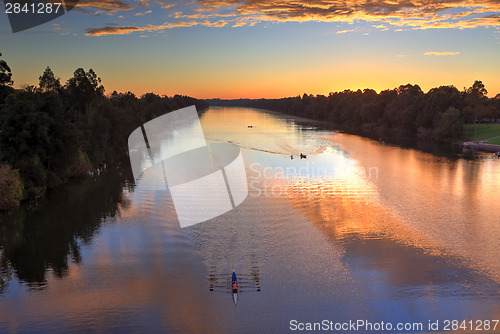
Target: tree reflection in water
(47, 235)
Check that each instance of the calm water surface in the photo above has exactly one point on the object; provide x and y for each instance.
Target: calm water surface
(358, 230)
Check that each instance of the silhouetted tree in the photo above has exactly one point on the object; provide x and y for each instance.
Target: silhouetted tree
(5, 73)
(475, 100)
(48, 82)
(477, 90)
(83, 88)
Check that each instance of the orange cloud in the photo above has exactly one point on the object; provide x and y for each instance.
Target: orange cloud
(141, 14)
(409, 14)
(108, 6)
(418, 14)
(433, 53)
(112, 30)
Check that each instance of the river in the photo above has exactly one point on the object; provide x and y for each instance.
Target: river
(359, 230)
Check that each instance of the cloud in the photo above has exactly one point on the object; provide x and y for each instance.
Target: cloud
(218, 24)
(383, 14)
(344, 31)
(112, 30)
(416, 14)
(107, 6)
(146, 12)
(433, 53)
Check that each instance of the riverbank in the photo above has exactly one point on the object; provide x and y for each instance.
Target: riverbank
(482, 137)
(479, 146)
(484, 132)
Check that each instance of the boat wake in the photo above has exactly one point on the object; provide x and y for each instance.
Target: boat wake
(283, 148)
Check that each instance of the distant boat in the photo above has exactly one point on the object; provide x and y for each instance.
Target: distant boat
(303, 156)
(250, 126)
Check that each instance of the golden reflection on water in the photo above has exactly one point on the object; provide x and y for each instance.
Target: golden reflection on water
(342, 206)
(447, 207)
(347, 208)
(256, 130)
(452, 201)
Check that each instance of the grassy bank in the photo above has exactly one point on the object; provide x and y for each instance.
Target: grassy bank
(483, 132)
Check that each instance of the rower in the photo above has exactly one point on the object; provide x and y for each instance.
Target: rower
(235, 286)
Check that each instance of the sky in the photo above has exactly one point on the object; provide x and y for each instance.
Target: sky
(263, 48)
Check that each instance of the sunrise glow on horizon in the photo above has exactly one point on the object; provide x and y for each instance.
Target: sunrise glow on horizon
(264, 49)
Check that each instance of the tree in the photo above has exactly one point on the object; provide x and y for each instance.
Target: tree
(48, 82)
(477, 90)
(401, 112)
(87, 82)
(38, 138)
(11, 187)
(496, 105)
(475, 99)
(449, 125)
(84, 87)
(436, 102)
(5, 73)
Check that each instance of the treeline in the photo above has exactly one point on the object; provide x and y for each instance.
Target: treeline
(405, 111)
(52, 132)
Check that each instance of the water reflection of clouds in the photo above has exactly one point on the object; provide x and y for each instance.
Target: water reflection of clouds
(448, 201)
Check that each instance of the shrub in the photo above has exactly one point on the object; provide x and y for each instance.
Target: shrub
(11, 187)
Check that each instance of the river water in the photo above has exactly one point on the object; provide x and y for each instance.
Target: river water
(357, 231)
